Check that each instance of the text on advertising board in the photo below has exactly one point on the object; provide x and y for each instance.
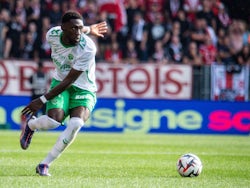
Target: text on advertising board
(144, 81)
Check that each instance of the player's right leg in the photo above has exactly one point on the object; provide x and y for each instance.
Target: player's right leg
(41, 123)
(45, 122)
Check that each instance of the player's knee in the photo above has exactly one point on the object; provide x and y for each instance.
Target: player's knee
(75, 123)
(56, 115)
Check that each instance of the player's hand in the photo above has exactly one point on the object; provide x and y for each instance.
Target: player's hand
(32, 107)
(99, 29)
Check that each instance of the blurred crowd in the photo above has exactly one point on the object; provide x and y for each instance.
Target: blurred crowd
(196, 32)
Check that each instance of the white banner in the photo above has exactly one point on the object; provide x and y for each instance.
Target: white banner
(14, 76)
(144, 81)
(124, 81)
(229, 86)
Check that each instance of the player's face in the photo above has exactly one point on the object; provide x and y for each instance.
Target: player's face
(72, 31)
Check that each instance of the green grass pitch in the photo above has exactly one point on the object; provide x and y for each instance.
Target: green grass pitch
(126, 161)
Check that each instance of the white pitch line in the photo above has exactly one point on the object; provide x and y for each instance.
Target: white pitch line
(135, 153)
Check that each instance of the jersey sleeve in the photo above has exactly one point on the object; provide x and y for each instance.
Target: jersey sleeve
(53, 32)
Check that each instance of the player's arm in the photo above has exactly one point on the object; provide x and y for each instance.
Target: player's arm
(67, 82)
(98, 29)
(36, 104)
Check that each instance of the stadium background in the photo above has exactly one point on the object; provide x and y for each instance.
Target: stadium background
(147, 96)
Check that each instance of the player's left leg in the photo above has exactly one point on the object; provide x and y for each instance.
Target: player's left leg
(80, 108)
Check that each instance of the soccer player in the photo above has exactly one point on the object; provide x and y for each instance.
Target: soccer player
(73, 89)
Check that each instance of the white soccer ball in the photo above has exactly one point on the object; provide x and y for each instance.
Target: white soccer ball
(189, 165)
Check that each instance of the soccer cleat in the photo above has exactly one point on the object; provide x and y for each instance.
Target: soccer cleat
(26, 135)
(43, 170)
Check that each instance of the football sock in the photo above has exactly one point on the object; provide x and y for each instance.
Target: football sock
(43, 122)
(64, 140)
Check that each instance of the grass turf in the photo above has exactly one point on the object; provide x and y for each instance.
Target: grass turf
(125, 160)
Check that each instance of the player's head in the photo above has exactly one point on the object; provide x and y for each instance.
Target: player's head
(72, 25)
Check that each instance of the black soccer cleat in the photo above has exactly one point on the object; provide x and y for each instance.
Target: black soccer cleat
(43, 170)
(26, 135)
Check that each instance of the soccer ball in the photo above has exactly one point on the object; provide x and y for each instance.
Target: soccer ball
(189, 165)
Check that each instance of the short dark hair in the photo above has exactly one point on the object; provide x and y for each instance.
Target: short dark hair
(71, 15)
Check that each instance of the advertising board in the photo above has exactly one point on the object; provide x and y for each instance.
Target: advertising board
(143, 81)
(150, 116)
